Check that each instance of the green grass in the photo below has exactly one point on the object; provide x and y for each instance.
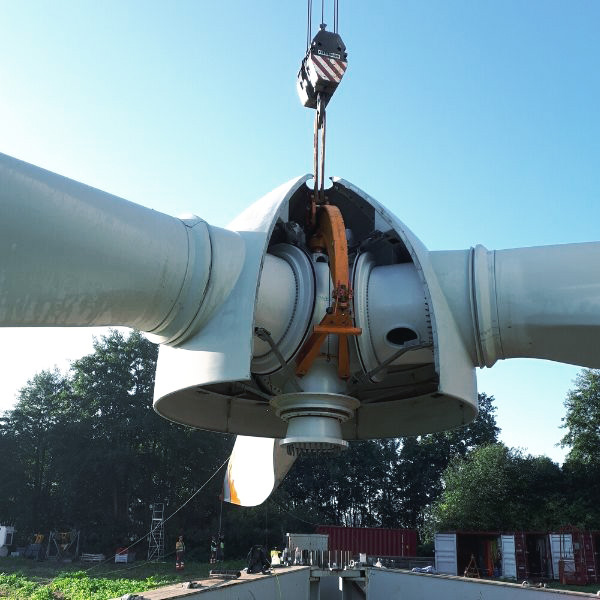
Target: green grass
(23, 579)
(590, 589)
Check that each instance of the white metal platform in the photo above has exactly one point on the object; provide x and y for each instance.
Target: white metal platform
(306, 583)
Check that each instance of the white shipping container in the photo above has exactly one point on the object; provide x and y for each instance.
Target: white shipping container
(509, 559)
(307, 541)
(445, 553)
(564, 542)
(6, 535)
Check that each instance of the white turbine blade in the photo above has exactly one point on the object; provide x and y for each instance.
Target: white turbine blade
(256, 467)
(548, 301)
(539, 302)
(76, 256)
(73, 255)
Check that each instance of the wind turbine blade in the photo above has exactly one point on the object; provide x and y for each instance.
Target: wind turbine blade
(256, 468)
(73, 255)
(538, 302)
(76, 256)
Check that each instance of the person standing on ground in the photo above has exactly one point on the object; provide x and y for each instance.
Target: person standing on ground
(213, 550)
(179, 552)
(221, 549)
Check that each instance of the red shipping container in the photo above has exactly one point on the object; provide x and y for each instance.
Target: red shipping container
(373, 541)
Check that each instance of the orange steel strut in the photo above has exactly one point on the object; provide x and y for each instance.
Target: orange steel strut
(330, 238)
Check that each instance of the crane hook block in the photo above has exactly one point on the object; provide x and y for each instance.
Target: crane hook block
(322, 68)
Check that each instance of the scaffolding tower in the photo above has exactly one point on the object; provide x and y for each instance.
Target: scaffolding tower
(156, 537)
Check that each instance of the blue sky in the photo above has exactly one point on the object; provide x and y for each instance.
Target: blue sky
(475, 122)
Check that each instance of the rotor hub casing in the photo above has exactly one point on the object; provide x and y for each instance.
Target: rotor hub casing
(410, 368)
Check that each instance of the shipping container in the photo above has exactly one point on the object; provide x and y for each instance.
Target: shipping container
(533, 555)
(445, 553)
(596, 552)
(588, 547)
(561, 545)
(306, 541)
(7, 533)
(509, 557)
(576, 556)
(595, 535)
(524, 555)
(488, 554)
(538, 556)
(372, 541)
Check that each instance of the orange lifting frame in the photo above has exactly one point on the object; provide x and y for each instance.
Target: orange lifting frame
(331, 238)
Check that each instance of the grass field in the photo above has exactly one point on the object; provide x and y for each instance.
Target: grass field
(24, 579)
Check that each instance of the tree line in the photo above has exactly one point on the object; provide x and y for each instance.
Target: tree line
(85, 450)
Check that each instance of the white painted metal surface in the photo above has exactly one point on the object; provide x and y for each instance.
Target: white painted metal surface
(276, 302)
(455, 400)
(540, 302)
(222, 351)
(291, 583)
(314, 419)
(7, 533)
(256, 467)
(368, 584)
(561, 547)
(286, 295)
(509, 559)
(445, 553)
(76, 256)
(385, 308)
(451, 399)
(383, 584)
(307, 541)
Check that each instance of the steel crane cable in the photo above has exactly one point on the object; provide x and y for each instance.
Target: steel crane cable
(309, 24)
(292, 514)
(165, 520)
(336, 15)
(143, 564)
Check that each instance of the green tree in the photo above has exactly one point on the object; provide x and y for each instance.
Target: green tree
(134, 456)
(582, 420)
(423, 459)
(496, 488)
(582, 437)
(350, 488)
(32, 432)
(87, 451)
(110, 410)
(476, 491)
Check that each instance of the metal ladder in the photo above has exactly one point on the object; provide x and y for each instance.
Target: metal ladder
(156, 537)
